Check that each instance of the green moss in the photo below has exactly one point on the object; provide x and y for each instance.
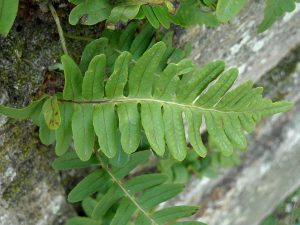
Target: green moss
(18, 149)
(14, 189)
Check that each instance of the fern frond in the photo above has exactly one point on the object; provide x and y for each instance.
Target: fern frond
(141, 94)
(162, 107)
(157, 12)
(163, 13)
(132, 199)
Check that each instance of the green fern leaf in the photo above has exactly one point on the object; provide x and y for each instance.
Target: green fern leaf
(227, 9)
(94, 48)
(93, 85)
(99, 179)
(90, 12)
(88, 205)
(130, 126)
(157, 12)
(123, 13)
(116, 83)
(32, 111)
(73, 79)
(157, 100)
(148, 12)
(173, 213)
(189, 13)
(153, 125)
(163, 13)
(186, 96)
(121, 157)
(89, 185)
(70, 160)
(275, 9)
(134, 198)
(8, 13)
(52, 113)
(157, 15)
(63, 134)
(83, 131)
(46, 135)
(104, 120)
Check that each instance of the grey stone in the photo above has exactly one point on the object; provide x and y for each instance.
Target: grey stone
(31, 192)
(239, 44)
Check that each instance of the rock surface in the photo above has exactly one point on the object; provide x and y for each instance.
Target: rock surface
(31, 192)
(239, 44)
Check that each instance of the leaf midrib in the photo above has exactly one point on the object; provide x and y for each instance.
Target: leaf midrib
(140, 100)
(127, 194)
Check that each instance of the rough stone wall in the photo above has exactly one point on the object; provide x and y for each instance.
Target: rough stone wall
(31, 192)
(239, 44)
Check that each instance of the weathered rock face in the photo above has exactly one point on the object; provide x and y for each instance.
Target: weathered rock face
(239, 44)
(31, 192)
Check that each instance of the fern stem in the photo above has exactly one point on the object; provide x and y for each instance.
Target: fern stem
(59, 28)
(139, 100)
(77, 37)
(127, 194)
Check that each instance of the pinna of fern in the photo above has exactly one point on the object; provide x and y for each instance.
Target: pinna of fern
(156, 12)
(108, 198)
(138, 96)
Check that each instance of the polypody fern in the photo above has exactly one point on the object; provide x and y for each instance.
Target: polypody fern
(132, 200)
(136, 96)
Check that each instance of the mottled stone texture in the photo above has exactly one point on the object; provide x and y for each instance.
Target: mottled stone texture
(31, 192)
(239, 44)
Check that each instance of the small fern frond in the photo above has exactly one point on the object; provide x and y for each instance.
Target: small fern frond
(157, 12)
(133, 199)
(164, 12)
